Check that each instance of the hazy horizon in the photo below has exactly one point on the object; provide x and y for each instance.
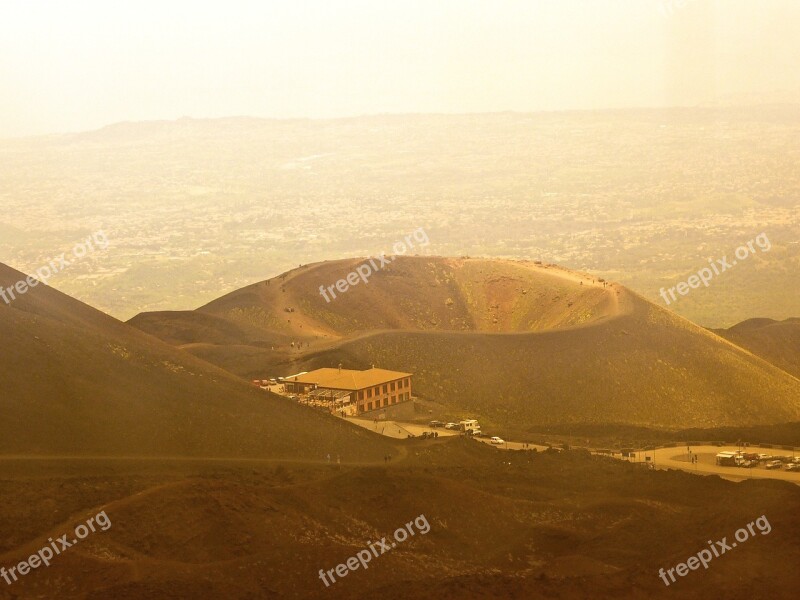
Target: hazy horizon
(507, 287)
(351, 58)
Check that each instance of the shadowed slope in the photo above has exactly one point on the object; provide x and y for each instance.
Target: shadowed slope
(647, 367)
(501, 525)
(76, 381)
(192, 327)
(775, 341)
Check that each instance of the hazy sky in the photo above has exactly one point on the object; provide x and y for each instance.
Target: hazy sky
(76, 65)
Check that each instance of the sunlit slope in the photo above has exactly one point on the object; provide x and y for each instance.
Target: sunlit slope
(422, 293)
(75, 381)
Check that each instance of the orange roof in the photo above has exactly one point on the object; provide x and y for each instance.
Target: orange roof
(348, 379)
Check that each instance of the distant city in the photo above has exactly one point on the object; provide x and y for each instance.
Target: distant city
(196, 208)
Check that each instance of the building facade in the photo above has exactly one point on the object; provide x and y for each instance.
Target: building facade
(368, 390)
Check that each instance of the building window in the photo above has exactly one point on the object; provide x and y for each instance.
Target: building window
(394, 385)
(385, 388)
(361, 395)
(394, 399)
(369, 393)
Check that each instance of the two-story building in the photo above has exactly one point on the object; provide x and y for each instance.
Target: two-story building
(368, 390)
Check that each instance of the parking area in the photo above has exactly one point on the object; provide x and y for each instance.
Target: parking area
(398, 429)
(662, 458)
(706, 464)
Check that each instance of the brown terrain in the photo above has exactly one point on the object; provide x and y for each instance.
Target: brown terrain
(502, 524)
(216, 490)
(775, 341)
(76, 382)
(518, 345)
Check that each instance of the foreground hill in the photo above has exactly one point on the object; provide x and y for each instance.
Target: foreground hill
(501, 525)
(514, 343)
(78, 382)
(775, 341)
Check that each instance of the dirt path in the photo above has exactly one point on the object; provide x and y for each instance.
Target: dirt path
(182, 459)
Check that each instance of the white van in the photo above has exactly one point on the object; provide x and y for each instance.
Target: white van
(470, 425)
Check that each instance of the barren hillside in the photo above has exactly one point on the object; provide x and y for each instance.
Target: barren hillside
(514, 343)
(78, 382)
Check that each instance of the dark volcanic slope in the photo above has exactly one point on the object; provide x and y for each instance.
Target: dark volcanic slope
(775, 341)
(643, 368)
(191, 327)
(502, 525)
(76, 381)
(513, 343)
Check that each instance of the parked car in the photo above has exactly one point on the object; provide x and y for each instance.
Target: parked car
(273, 381)
(436, 424)
(497, 440)
(451, 426)
(748, 464)
(763, 456)
(793, 467)
(774, 464)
